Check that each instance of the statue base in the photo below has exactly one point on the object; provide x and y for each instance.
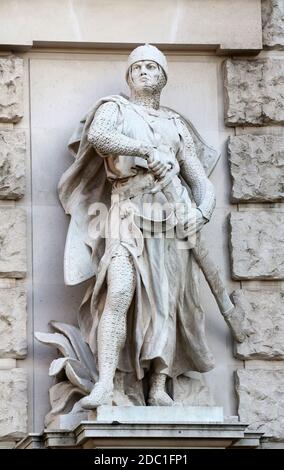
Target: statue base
(157, 414)
(136, 427)
(141, 414)
(145, 427)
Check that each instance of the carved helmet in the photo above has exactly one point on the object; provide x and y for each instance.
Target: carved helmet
(147, 52)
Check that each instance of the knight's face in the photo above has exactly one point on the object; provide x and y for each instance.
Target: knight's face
(146, 75)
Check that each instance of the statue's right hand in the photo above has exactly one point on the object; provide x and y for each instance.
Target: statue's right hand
(158, 168)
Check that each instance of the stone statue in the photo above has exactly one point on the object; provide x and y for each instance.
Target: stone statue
(138, 194)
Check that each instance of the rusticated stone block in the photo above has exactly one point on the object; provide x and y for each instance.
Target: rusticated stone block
(13, 403)
(11, 89)
(257, 163)
(272, 12)
(263, 324)
(12, 164)
(12, 243)
(261, 400)
(13, 319)
(254, 92)
(257, 245)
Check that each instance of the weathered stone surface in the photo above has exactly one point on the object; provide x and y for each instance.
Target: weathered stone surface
(191, 390)
(257, 163)
(12, 243)
(12, 164)
(261, 400)
(263, 324)
(11, 89)
(254, 92)
(13, 403)
(257, 245)
(13, 334)
(272, 12)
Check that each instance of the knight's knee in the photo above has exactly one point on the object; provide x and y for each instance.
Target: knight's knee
(121, 280)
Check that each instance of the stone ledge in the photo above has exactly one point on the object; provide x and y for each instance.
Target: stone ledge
(235, 25)
(270, 444)
(91, 435)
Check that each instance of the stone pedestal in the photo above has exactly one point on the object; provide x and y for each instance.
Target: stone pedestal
(147, 427)
(140, 415)
(157, 414)
(92, 435)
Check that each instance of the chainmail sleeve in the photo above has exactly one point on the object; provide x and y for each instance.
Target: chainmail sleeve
(105, 137)
(193, 173)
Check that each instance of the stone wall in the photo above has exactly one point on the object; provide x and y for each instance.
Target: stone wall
(254, 106)
(272, 24)
(13, 265)
(254, 112)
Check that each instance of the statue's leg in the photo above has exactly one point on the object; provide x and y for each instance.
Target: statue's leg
(157, 393)
(121, 282)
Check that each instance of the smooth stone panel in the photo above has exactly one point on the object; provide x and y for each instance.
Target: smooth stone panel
(228, 25)
(158, 414)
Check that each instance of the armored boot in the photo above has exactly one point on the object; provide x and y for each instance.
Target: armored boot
(157, 394)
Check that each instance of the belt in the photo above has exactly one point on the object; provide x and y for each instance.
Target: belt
(142, 183)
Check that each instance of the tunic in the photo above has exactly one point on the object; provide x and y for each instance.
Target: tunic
(165, 322)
